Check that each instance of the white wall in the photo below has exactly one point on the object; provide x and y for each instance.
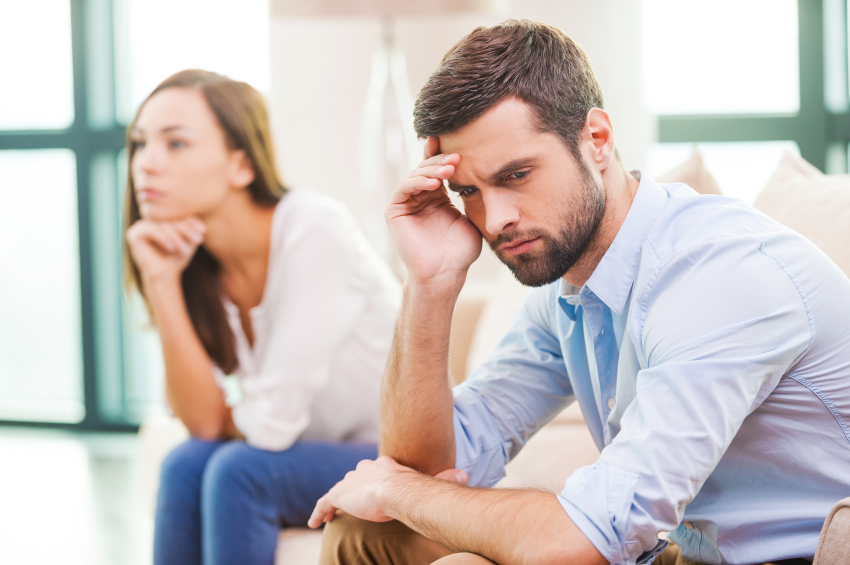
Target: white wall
(320, 71)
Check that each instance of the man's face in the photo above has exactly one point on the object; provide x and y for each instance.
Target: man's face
(535, 204)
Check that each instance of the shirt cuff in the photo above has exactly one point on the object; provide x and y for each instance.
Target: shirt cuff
(478, 450)
(599, 499)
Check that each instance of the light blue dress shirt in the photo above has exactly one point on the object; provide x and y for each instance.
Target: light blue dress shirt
(710, 355)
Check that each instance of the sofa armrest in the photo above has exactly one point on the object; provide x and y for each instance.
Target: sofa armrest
(834, 544)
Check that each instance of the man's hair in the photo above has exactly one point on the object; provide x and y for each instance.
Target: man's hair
(531, 61)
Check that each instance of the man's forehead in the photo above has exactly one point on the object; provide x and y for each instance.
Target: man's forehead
(509, 121)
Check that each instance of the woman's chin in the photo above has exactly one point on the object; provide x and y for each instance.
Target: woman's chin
(159, 213)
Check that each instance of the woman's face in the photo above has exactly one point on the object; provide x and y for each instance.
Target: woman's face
(182, 165)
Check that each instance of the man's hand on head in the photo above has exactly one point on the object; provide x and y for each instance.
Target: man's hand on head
(366, 491)
(436, 242)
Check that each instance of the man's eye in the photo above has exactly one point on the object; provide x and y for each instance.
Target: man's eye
(518, 175)
(468, 191)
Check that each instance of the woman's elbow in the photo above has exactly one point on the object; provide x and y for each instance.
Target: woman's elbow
(205, 431)
(205, 428)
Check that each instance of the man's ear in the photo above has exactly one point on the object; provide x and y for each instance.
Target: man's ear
(599, 138)
(242, 171)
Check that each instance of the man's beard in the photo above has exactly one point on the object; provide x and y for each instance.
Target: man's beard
(560, 253)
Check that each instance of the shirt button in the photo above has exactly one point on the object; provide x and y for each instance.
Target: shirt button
(611, 403)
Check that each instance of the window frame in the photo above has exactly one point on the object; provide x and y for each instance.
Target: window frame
(814, 128)
(94, 137)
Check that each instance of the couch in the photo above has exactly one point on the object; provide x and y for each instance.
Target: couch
(797, 195)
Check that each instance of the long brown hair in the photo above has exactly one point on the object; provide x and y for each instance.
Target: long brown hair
(241, 113)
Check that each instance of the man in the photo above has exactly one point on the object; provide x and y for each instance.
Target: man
(705, 343)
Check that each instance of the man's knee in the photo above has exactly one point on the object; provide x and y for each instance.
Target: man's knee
(350, 541)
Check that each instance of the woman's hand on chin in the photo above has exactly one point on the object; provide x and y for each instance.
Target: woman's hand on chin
(162, 249)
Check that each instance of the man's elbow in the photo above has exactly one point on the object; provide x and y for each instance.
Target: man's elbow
(557, 551)
(427, 459)
(564, 556)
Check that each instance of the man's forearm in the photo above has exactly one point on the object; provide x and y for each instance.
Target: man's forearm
(508, 526)
(416, 398)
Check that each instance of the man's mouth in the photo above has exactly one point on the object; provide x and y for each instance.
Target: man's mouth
(518, 247)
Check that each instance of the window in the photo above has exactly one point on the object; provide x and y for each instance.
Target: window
(38, 87)
(74, 351)
(41, 366)
(51, 141)
(747, 81)
(721, 57)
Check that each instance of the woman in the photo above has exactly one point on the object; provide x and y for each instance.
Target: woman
(277, 288)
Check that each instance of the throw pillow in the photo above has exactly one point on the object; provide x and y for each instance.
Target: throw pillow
(694, 174)
(811, 203)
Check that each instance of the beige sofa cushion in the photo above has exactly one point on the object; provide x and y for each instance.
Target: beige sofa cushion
(693, 173)
(814, 205)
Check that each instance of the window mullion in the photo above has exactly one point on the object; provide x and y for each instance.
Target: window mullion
(811, 134)
(82, 146)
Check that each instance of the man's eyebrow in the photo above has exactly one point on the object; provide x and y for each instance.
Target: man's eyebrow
(495, 177)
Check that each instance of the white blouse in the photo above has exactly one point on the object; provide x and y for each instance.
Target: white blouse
(322, 331)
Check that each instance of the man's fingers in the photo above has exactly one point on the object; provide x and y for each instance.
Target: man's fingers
(413, 187)
(330, 515)
(437, 160)
(321, 512)
(432, 147)
(439, 171)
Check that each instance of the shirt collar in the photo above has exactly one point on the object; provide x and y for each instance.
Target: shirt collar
(613, 277)
(568, 299)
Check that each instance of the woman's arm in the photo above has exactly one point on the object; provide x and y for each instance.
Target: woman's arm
(190, 386)
(162, 250)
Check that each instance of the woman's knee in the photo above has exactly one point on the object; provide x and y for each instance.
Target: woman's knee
(231, 469)
(184, 465)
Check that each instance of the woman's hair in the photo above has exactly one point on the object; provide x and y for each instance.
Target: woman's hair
(241, 113)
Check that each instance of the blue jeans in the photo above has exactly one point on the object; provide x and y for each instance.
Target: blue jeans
(225, 502)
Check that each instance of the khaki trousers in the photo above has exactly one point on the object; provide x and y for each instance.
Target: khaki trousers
(351, 541)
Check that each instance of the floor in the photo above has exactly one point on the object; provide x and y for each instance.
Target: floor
(72, 498)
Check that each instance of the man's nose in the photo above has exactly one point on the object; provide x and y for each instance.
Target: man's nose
(501, 213)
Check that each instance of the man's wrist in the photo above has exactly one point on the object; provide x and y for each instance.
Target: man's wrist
(443, 287)
(391, 497)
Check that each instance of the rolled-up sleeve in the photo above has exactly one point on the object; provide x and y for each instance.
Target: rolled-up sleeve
(721, 324)
(523, 385)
